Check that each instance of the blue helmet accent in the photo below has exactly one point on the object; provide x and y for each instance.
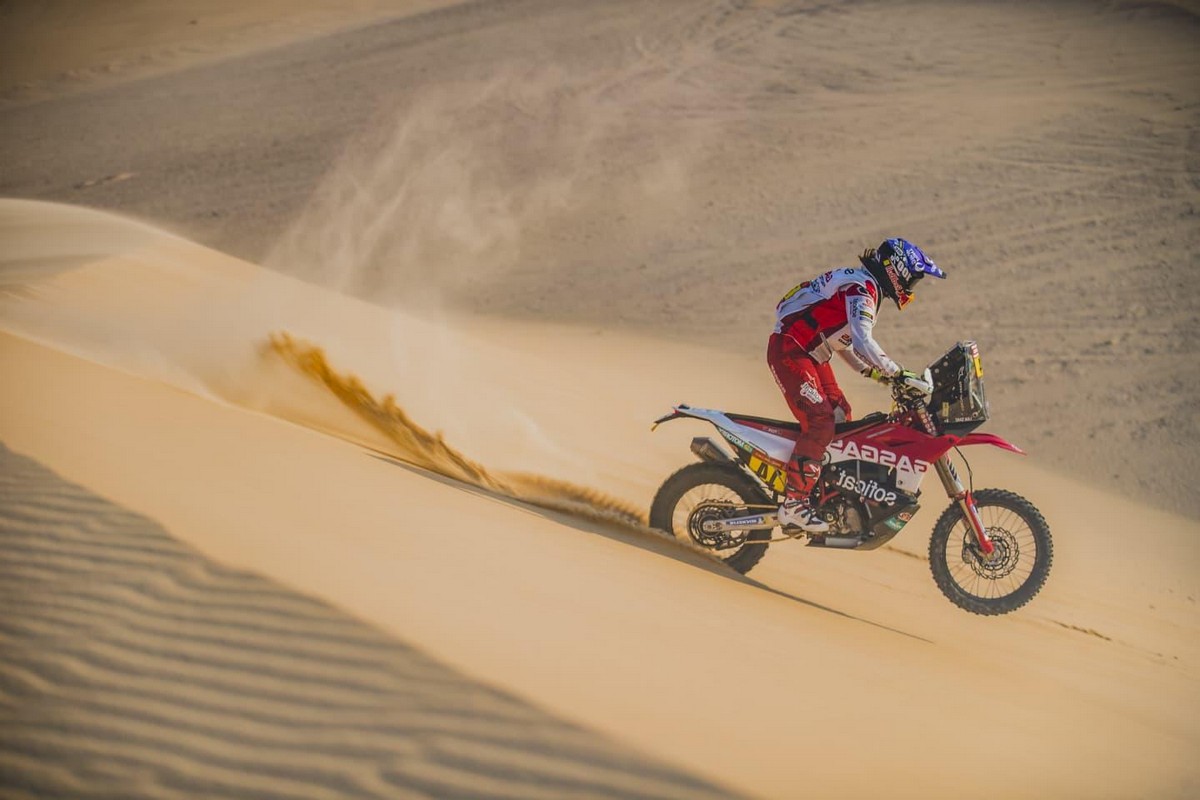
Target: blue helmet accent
(911, 259)
(897, 265)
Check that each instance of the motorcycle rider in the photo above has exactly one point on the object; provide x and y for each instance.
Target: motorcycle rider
(835, 312)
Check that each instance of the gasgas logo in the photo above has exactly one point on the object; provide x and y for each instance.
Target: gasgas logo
(869, 452)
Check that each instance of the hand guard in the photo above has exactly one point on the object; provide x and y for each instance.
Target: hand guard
(909, 384)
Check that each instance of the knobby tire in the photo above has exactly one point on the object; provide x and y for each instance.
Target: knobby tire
(662, 510)
(953, 532)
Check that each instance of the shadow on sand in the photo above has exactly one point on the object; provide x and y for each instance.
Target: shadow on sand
(652, 541)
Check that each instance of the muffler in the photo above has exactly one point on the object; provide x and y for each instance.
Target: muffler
(708, 450)
(838, 542)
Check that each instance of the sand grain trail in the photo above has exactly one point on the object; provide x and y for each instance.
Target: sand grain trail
(431, 451)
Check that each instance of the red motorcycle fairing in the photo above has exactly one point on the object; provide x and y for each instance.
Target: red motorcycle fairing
(895, 436)
(917, 447)
(989, 438)
(907, 454)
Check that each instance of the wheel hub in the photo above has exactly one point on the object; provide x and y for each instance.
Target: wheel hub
(700, 523)
(1003, 559)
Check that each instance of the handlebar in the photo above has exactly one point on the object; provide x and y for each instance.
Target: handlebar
(912, 387)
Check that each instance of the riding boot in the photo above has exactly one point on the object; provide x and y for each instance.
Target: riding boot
(796, 510)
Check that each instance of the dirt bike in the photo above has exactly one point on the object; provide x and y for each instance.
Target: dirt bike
(990, 551)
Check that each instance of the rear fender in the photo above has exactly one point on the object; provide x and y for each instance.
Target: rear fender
(675, 414)
(750, 458)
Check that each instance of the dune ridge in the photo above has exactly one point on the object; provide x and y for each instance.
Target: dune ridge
(217, 443)
(605, 632)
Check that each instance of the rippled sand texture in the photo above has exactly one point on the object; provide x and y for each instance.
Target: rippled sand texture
(132, 666)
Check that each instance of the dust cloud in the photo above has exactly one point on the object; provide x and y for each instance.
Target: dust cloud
(436, 203)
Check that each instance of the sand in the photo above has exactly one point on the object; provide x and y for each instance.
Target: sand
(673, 168)
(133, 666)
(51, 48)
(524, 260)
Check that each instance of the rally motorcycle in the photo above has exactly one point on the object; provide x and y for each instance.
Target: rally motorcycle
(990, 551)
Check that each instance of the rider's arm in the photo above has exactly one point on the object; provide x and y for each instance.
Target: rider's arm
(860, 313)
(854, 362)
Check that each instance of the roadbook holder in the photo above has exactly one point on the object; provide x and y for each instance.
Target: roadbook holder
(958, 402)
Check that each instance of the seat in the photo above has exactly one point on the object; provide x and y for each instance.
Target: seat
(874, 418)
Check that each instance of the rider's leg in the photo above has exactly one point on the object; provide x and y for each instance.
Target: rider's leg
(799, 380)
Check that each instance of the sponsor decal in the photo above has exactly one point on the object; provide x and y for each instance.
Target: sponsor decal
(800, 287)
(862, 308)
(897, 286)
(868, 489)
(735, 441)
(877, 455)
(770, 474)
(811, 393)
(818, 283)
(899, 520)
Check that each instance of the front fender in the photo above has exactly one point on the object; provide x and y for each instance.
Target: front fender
(989, 438)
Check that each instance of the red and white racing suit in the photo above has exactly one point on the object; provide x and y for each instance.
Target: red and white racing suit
(833, 312)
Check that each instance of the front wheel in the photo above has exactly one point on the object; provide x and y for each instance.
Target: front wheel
(701, 492)
(1012, 575)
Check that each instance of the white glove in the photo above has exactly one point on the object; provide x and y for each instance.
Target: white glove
(911, 384)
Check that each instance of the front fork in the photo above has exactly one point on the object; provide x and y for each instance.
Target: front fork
(956, 490)
(962, 495)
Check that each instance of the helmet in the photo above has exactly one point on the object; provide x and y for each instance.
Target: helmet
(897, 265)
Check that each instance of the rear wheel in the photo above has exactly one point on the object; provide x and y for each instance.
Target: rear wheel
(705, 491)
(1012, 575)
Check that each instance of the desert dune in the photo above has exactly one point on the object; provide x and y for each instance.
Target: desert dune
(369, 520)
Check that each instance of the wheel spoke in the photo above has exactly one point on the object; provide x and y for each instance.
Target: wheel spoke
(702, 497)
(705, 492)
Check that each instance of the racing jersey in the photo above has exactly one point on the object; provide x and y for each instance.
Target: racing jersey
(835, 312)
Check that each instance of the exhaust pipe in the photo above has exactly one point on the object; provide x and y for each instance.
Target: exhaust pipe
(838, 542)
(708, 450)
